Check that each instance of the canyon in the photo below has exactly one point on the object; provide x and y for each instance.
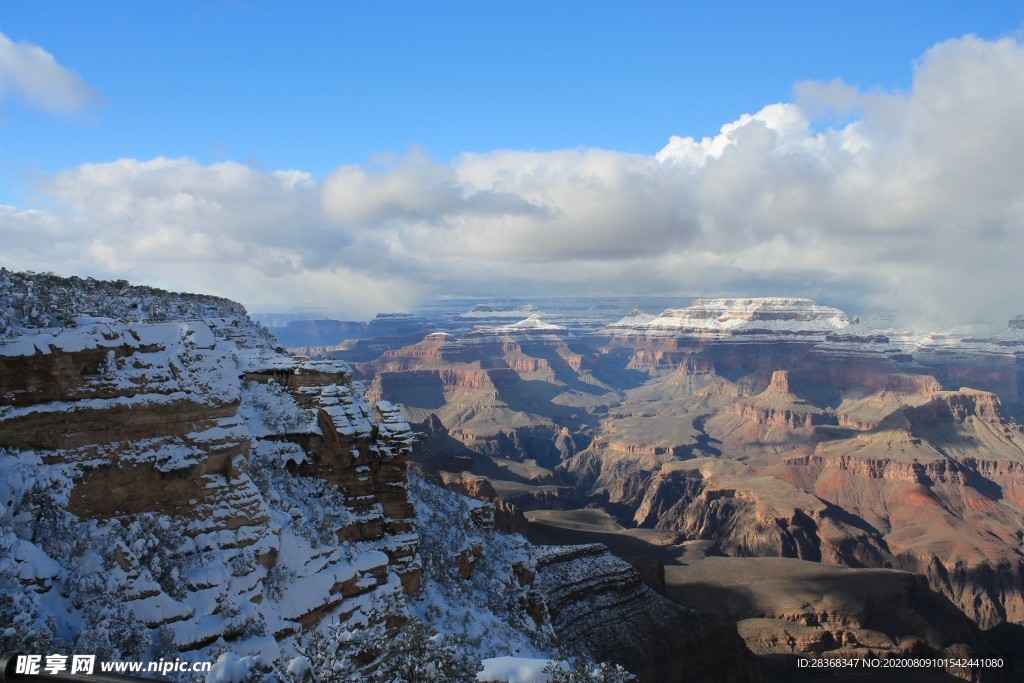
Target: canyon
(771, 430)
(709, 490)
(175, 485)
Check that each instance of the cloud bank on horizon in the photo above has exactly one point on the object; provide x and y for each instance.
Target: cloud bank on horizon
(858, 198)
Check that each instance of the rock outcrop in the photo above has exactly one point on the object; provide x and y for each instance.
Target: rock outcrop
(940, 481)
(597, 602)
(994, 364)
(230, 493)
(789, 607)
(778, 406)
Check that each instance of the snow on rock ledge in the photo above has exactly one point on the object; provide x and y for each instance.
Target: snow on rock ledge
(212, 491)
(533, 325)
(513, 670)
(722, 318)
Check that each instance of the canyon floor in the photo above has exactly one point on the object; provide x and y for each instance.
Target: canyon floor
(781, 606)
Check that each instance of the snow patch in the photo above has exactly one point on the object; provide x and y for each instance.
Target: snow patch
(769, 317)
(515, 670)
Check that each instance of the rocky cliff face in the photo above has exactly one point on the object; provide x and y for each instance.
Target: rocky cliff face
(778, 406)
(939, 481)
(730, 337)
(994, 364)
(581, 598)
(862, 410)
(212, 491)
(598, 602)
(512, 405)
(789, 607)
(933, 489)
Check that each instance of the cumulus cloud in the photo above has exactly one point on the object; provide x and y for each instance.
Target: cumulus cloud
(859, 198)
(32, 73)
(228, 229)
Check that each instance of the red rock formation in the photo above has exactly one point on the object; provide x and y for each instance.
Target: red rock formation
(935, 480)
(779, 406)
(501, 515)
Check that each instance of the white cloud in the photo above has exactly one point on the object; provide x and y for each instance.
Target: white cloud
(863, 198)
(32, 73)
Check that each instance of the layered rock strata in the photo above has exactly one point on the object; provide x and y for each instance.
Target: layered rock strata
(993, 364)
(767, 427)
(598, 603)
(789, 607)
(274, 492)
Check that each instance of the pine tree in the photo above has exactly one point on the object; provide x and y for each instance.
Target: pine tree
(583, 669)
(420, 654)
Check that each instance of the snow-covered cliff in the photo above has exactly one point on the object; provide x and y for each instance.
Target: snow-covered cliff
(170, 484)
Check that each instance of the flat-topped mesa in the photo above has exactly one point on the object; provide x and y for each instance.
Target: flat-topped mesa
(396, 325)
(738, 319)
(993, 363)
(1000, 347)
(359, 342)
(496, 311)
(859, 358)
(779, 382)
(1009, 340)
(861, 345)
(436, 349)
(534, 325)
(1015, 327)
(717, 335)
(856, 359)
(958, 406)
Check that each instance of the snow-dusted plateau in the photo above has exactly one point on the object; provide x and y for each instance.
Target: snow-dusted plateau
(708, 489)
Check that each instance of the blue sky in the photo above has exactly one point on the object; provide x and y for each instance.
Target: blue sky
(393, 115)
(316, 85)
